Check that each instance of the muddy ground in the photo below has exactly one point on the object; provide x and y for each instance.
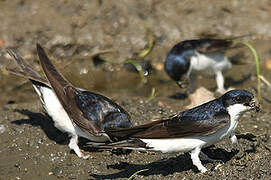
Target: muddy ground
(72, 31)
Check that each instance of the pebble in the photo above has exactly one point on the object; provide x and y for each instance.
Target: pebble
(200, 96)
(268, 64)
(2, 129)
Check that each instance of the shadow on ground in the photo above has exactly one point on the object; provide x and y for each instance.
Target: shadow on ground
(165, 166)
(47, 125)
(44, 122)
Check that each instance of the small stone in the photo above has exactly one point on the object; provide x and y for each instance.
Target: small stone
(268, 64)
(2, 129)
(17, 165)
(159, 66)
(200, 96)
(2, 42)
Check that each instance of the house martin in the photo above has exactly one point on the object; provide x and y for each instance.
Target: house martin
(78, 112)
(190, 130)
(191, 57)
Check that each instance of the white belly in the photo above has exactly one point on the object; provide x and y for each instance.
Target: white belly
(210, 63)
(189, 143)
(55, 110)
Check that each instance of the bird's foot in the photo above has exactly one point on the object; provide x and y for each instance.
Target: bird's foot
(85, 156)
(221, 90)
(74, 146)
(234, 139)
(235, 143)
(202, 169)
(196, 161)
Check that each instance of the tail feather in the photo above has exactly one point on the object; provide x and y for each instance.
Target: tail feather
(132, 144)
(26, 70)
(221, 45)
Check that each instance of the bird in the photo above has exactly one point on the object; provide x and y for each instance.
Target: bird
(78, 112)
(188, 58)
(190, 130)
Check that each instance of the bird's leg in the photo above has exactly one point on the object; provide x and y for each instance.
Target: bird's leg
(74, 146)
(234, 139)
(220, 82)
(196, 161)
(192, 84)
(235, 142)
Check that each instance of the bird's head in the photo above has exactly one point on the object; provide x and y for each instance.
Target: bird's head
(177, 66)
(239, 101)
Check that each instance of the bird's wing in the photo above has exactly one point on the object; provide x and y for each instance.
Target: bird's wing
(66, 94)
(102, 110)
(213, 45)
(176, 127)
(89, 111)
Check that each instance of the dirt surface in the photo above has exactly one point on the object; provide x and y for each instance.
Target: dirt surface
(72, 31)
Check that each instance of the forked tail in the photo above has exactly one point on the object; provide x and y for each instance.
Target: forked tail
(132, 144)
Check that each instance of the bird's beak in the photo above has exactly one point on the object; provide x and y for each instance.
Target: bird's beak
(254, 104)
(183, 83)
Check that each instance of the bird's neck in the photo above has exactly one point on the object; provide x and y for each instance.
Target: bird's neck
(236, 111)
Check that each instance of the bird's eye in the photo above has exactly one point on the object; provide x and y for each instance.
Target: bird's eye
(238, 99)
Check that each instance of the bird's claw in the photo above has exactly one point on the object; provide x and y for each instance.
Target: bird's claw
(85, 156)
(203, 170)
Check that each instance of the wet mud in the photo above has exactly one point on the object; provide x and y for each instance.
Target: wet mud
(73, 32)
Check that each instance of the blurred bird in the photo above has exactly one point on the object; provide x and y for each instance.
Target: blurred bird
(75, 111)
(190, 130)
(207, 56)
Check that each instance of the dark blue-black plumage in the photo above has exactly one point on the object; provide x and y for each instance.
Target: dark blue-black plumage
(199, 121)
(102, 110)
(211, 108)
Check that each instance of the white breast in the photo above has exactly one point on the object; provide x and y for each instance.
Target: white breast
(210, 63)
(236, 111)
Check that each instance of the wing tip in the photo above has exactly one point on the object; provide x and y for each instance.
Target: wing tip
(11, 52)
(40, 51)
(38, 46)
